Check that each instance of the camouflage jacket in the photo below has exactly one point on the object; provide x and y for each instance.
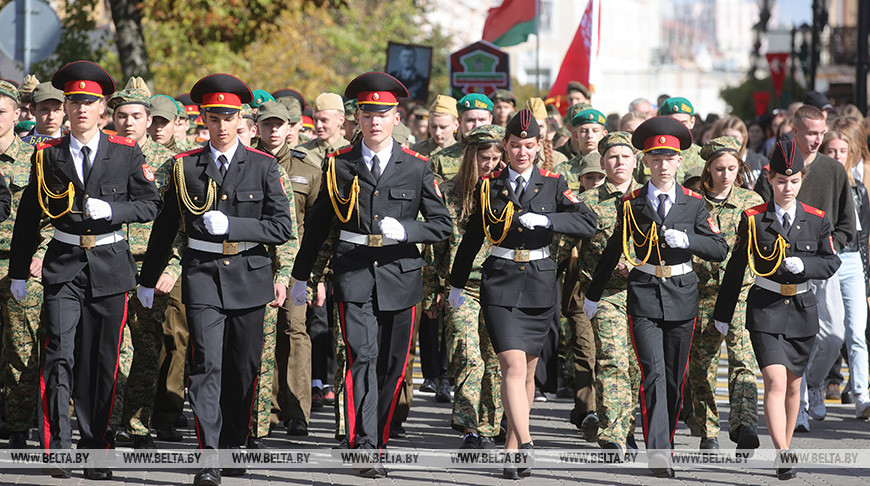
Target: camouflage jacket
(15, 167)
(427, 147)
(157, 168)
(316, 150)
(445, 164)
(571, 171)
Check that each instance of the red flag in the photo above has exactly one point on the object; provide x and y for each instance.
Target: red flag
(577, 62)
(762, 100)
(778, 62)
(511, 22)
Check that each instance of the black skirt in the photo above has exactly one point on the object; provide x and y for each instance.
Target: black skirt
(518, 328)
(793, 353)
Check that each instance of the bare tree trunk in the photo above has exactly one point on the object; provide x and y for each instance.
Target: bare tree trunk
(131, 43)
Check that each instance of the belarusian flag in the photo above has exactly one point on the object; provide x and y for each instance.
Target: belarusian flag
(511, 22)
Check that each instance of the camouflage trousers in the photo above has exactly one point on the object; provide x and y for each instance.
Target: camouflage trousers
(474, 369)
(20, 357)
(262, 410)
(340, 371)
(704, 363)
(125, 363)
(616, 370)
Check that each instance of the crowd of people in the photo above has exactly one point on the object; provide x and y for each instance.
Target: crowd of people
(258, 258)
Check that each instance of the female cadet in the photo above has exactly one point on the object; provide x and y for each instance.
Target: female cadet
(726, 199)
(518, 211)
(473, 367)
(785, 244)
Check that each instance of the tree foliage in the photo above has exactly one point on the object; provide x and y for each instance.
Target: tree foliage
(80, 39)
(740, 98)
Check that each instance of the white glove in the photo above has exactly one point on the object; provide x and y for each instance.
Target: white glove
(98, 209)
(456, 298)
(531, 220)
(393, 229)
(216, 223)
(721, 327)
(299, 292)
(589, 308)
(676, 239)
(19, 289)
(794, 265)
(146, 296)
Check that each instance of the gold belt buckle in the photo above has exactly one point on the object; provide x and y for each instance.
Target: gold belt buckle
(87, 241)
(663, 271)
(376, 241)
(789, 290)
(231, 248)
(521, 256)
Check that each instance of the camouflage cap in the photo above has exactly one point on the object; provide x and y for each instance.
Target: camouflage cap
(574, 109)
(137, 82)
(614, 139)
(349, 108)
(260, 96)
(294, 108)
(247, 111)
(589, 115)
(9, 90)
(164, 107)
(274, 109)
(401, 133)
(474, 101)
(444, 105)
(675, 105)
(328, 101)
(537, 107)
(693, 172)
(504, 95)
(590, 164)
(484, 134)
(128, 97)
(721, 144)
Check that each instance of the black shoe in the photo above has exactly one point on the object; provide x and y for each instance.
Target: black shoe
(747, 441)
(539, 395)
(589, 427)
(691, 421)
(342, 444)
(180, 422)
(785, 463)
(428, 385)
(255, 443)
(98, 473)
(123, 437)
(57, 472)
(443, 393)
(397, 431)
(169, 434)
(374, 472)
(661, 466)
(709, 443)
(143, 442)
(614, 452)
(297, 427)
(18, 440)
(486, 443)
(564, 392)
(630, 443)
(847, 398)
(527, 451)
(470, 441)
(510, 472)
(208, 476)
(316, 397)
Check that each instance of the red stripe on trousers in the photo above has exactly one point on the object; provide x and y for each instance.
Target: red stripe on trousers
(117, 364)
(683, 383)
(386, 432)
(46, 423)
(642, 397)
(350, 433)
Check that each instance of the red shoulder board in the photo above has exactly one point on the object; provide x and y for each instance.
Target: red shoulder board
(341, 151)
(189, 152)
(122, 140)
(251, 149)
(756, 210)
(492, 175)
(631, 195)
(547, 173)
(691, 193)
(415, 154)
(49, 143)
(813, 211)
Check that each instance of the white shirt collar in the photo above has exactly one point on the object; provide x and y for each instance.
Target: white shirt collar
(527, 174)
(229, 154)
(791, 212)
(383, 156)
(75, 145)
(653, 193)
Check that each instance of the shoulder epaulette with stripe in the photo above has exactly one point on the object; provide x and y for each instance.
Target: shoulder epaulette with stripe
(415, 154)
(756, 210)
(492, 175)
(631, 195)
(691, 193)
(341, 151)
(258, 151)
(189, 152)
(813, 211)
(122, 140)
(49, 143)
(547, 173)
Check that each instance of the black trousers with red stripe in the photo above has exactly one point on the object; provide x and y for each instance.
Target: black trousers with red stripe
(378, 343)
(662, 349)
(83, 339)
(226, 347)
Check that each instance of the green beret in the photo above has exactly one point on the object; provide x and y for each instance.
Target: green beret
(261, 96)
(474, 101)
(591, 164)
(574, 109)
(614, 139)
(9, 89)
(294, 108)
(504, 95)
(24, 126)
(164, 107)
(676, 105)
(713, 147)
(273, 109)
(247, 111)
(401, 133)
(589, 115)
(129, 97)
(484, 134)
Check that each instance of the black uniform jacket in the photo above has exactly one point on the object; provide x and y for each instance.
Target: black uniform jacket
(522, 284)
(674, 298)
(120, 177)
(253, 199)
(393, 272)
(809, 239)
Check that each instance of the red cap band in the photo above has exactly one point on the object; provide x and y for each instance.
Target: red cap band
(307, 121)
(83, 86)
(222, 100)
(662, 142)
(377, 98)
(191, 109)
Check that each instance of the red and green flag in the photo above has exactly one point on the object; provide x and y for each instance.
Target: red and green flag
(511, 23)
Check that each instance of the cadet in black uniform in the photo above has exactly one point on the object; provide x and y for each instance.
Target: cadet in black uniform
(231, 202)
(785, 244)
(90, 185)
(523, 206)
(375, 189)
(667, 225)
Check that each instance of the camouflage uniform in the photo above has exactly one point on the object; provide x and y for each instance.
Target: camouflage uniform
(692, 161)
(21, 349)
(473, 364)
(446, 162)
(426, 148)
(317, 150)
(704, 355)
(571, 171)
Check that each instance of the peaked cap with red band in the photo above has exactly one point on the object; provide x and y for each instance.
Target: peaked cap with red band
(661, 135)
(523, 125)
(221, 93)
(375, 91)
(786, 159)
(83, 81)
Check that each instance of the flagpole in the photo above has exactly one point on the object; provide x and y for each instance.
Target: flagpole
(538, 47)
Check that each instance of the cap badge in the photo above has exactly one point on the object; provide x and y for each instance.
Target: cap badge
(376, 96)
(220, 97)
(523, 134)
(788, 172)
(81, 85)
(662, 139)
(467, 103)
(676, 108)
(591, 116)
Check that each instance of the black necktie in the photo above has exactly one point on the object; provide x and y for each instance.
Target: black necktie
(662, 211)
(518, 191)
(86, 163)
(222, 160)
(376, 167)
(786, 224)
